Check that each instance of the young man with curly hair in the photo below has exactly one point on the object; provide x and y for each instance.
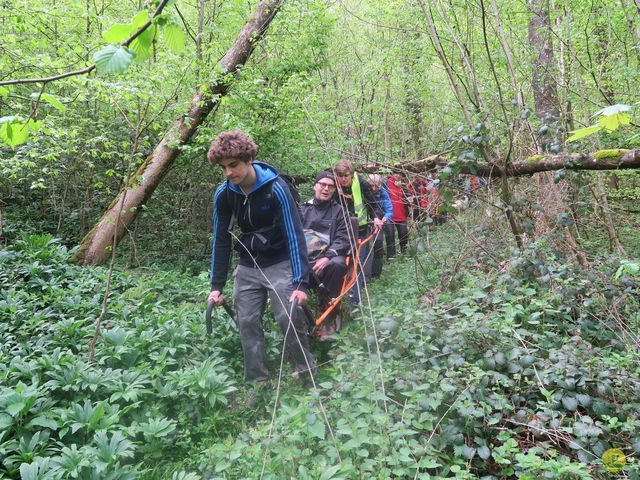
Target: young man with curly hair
(272, 253)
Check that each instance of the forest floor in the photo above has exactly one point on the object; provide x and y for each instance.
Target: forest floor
(472, 360)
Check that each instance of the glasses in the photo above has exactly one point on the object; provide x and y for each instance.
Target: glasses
(326, 186)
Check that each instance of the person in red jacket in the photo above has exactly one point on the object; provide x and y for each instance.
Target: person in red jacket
(397, 187)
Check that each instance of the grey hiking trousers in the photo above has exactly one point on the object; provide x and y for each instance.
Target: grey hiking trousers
(250, 289)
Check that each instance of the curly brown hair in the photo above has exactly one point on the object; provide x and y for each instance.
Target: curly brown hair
(232, 144)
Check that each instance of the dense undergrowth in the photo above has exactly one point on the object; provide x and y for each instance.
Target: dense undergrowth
(474, 361)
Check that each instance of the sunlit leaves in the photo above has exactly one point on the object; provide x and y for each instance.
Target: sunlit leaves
(584, 132)
(614, 121)
(612, 110)
(610, 119)
(139, 20)
(171, 32)
(142, 45)
(118, 33)
(113, 59)
(174, 37)
(15, 131)
(50, 99)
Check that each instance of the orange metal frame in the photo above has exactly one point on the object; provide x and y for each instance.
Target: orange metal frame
(349, 279)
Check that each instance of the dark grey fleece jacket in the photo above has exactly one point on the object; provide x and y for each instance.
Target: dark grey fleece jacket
(327, 218)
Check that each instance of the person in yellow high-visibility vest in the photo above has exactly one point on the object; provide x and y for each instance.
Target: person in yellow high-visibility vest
(357, 198)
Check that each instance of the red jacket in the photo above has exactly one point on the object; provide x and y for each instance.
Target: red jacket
(398, 200)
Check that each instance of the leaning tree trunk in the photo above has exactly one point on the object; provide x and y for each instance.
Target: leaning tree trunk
(95, 246)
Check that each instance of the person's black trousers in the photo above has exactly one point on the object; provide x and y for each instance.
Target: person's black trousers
(331, 278)
(390, 238)
(403, 235)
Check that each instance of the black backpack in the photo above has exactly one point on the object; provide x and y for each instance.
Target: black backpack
(288, 180)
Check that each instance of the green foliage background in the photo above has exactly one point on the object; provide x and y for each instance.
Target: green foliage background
(476, 361)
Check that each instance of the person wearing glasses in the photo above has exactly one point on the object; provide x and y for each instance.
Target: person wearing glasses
(327, 237)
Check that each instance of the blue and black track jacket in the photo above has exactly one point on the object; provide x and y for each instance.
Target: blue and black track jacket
(270, 226)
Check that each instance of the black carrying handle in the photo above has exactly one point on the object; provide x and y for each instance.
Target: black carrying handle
(307, 313)
(207, 316)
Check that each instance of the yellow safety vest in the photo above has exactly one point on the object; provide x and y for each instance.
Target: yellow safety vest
(358, 204)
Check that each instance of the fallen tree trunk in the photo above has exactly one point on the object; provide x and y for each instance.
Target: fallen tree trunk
(95, 246)
(603, 160)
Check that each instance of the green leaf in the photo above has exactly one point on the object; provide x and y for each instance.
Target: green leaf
(143, 44)
(318, 430)
(613, 122)
(118, 33)
(5, 421)
(570, 403)
(612, 110)
(42, 421)
(484, 452)
(110, 450)
(4, 92)
(139, 20)
(50, 99)
(584, 400)
(329, 473)
(174, 36)
(162, 20)
(113, 59)
(157, 427)
(37, 470)
(427, 463)
(16, 132)
(29, 471)
(584, 132)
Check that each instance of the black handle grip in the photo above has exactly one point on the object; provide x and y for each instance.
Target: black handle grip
(207, 316)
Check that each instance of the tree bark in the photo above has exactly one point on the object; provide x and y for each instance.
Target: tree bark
(603, 160)
(94, 248)
(547, 108)
(543, 82)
